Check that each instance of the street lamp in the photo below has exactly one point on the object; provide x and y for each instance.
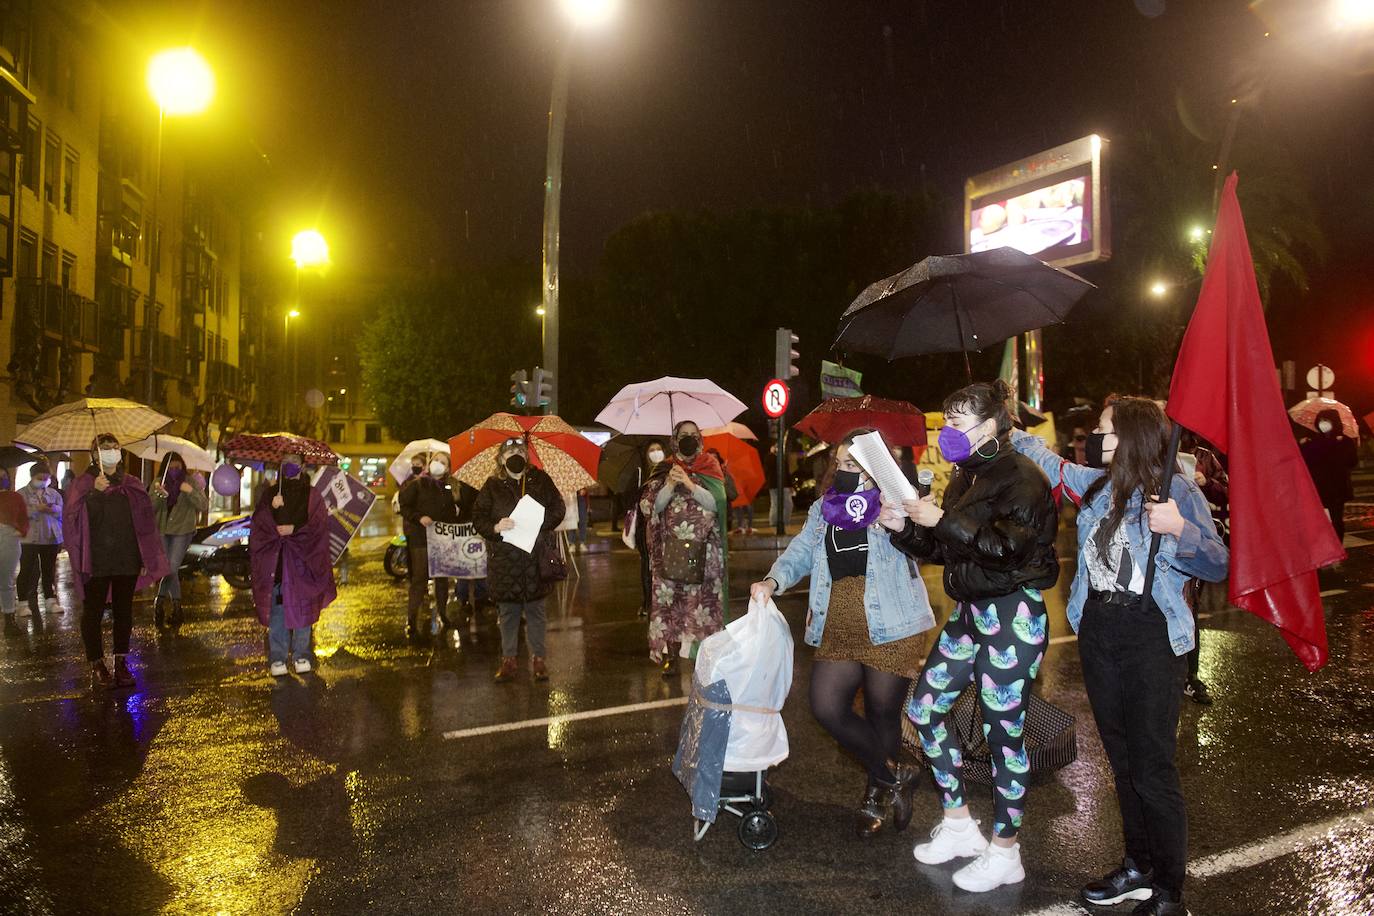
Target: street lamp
(1158, 289)
(181, 83)
(581, 14)
(309, 251)
(1352, 14)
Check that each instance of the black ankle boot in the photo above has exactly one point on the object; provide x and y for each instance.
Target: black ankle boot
(160, 612)
(876, 809)
(11, 627)
(904, 797)
(176, 618)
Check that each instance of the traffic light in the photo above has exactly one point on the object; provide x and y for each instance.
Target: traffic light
(784, 356)
(541, 388)
(520, 390)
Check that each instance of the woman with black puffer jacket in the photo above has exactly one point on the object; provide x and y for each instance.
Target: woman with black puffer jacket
(994, 533)
(514, 577)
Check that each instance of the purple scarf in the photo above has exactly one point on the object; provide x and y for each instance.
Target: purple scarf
(173, 486)
(851, 511)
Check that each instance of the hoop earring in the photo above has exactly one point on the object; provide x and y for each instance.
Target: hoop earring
(979, 451)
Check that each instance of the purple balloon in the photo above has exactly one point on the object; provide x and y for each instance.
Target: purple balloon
(225, 480)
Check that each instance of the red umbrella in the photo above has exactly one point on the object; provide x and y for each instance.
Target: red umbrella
(745, 465)
(270, 447)
(900, 422)
(567, 456)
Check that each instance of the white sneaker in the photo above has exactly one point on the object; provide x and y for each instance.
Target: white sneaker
(996, 866)
(952, 838)
(278, 669)
(302, 666)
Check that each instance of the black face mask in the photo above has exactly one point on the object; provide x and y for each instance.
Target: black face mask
(417, 469)
(515, 464)
(846, 481)
(1092, 450)
(688, 446)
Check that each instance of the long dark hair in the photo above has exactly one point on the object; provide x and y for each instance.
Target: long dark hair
(167, 459)
(1142, 447)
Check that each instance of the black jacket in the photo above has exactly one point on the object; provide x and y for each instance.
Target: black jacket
(423, 496)
(997, 534)
(513, 575)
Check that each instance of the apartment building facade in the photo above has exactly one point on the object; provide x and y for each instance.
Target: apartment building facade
(77, 252)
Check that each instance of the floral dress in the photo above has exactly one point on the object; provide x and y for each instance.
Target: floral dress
(681, 612)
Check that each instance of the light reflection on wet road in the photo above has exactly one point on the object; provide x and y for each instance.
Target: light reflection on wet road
(213, 789)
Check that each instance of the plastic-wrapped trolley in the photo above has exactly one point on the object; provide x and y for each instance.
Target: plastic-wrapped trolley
(733, 730)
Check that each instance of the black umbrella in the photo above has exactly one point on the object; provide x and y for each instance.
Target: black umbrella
(621, 458)
(958, 303)
(12, 456)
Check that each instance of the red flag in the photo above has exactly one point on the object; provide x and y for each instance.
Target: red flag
(1225, 389)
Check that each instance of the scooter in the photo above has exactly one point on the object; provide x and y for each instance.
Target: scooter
(396, 560)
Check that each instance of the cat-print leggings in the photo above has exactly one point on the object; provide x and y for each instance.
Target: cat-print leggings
(997, 643)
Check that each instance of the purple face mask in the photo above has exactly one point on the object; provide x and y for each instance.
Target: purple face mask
(851, 511)
(954, 444)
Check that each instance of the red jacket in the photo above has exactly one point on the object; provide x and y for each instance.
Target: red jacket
(14, 512)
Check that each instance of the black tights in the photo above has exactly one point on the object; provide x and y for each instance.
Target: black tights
(874, 737)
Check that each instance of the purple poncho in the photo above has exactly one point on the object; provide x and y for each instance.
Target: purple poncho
(76, 530)
(307, 574)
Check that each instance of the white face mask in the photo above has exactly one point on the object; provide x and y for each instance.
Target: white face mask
(40, 483)
(1324, 426)
(109, 457)
(655, 456)
(437, 469)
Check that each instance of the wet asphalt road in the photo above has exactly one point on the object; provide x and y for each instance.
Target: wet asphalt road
(213, 789)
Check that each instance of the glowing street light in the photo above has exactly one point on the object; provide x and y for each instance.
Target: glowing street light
(181, 83)
(1158, 289)
(593, 14)
(1352, 14)
(309, 249)
(1197, 233)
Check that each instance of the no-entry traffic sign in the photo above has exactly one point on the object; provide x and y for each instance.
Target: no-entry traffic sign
(775, 397)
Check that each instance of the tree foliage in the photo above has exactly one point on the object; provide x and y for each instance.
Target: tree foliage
(439, 353)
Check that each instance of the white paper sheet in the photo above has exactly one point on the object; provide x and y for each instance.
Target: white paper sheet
(873, 455)
(528, 516)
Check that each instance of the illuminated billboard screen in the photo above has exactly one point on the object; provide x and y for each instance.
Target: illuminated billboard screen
(1051, 205)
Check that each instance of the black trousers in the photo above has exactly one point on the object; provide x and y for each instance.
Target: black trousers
(120, 590)
(1336, 507)
(35, 561)
(419, 585)
(1135, 686)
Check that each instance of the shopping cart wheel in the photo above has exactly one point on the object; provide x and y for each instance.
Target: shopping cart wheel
(758, 829)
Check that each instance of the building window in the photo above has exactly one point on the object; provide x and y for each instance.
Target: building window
(68, 269)
(27, 267)
(52, 161)
(372, 433)
(69, 166)
(49, 262)
(31, 153)
(336, 433)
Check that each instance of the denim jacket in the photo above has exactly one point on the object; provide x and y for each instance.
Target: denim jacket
(895, 600)
(1197, 553)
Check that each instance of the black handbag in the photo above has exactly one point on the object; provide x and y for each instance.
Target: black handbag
(684, 560)
(553, 567)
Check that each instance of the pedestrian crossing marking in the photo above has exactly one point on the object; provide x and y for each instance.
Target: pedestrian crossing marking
(559, 720)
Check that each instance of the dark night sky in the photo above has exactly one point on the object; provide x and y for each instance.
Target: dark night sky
(413, 131)
(420, 125)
